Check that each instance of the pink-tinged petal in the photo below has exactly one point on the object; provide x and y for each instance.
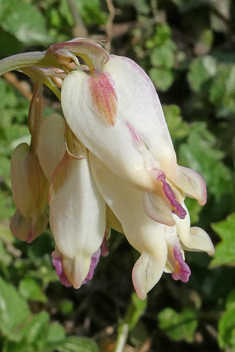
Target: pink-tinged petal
(182, 270)
(175, 260)
(94, 261)
(57, 262)
(103, 95)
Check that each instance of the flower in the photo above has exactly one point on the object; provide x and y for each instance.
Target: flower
(160, 245)
(77, 210)
(29, 184)
(117, 115)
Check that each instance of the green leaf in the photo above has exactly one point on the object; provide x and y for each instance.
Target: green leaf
(30, 290)
(55, 333)
(66, 306)
(201, 71)
(162, 78)
(204, 43)
(163, 34)
(222, 92)
(177, 127)
(24, 21)
(10, 45)
(141, 6)
(75, 344)
(226, 327)
(162, 56)
(200, 153)
(178, 326)
(194, 209)
(225, 250)
(14, 311)
(6, 207)
(230, 299)
(89, 11)
(36, 329)
(138, 335)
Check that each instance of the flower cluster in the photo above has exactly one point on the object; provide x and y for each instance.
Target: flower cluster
(108, 163)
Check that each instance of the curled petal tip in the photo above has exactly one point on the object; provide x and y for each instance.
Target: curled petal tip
(57, 262)
(182, 271)
(191, 183)
(201, 241)
(147, 272)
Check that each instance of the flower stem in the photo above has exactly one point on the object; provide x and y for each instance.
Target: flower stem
(122, 337)
(15, 62)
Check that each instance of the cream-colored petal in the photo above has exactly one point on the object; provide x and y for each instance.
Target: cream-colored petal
(51, 146)
(28, 229)
(194, 238)
(77, 216)
(200, 241)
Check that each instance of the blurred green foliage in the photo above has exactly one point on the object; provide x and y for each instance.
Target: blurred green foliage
(187, 48)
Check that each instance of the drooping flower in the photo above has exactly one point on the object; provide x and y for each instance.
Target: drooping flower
(29, 184)
(117, 115)
(160, 246)
(77, 210)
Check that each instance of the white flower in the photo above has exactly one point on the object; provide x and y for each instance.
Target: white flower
(77, 210)
(117, 115)
(159, 245)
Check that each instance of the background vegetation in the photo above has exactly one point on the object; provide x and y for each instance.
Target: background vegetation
(188, 49)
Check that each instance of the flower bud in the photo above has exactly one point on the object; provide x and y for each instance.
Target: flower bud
(30, 192)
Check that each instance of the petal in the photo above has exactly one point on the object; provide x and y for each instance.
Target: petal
(175, 259)
(101, 89)
(157, 209)
(29, 185)
(51, 146)
(144, 234)
(200, 241)
(194, 238)
(77, 216)
(28, 229)
(146, 273)
(75, 271)
(190, 182)
(112, 220)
